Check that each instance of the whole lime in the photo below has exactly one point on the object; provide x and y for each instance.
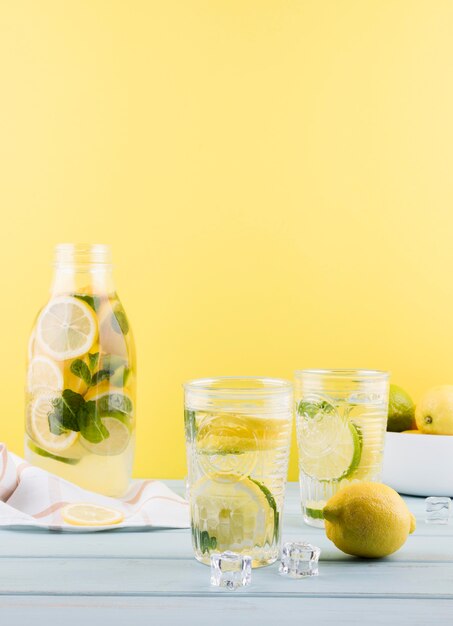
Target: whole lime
(401, 415)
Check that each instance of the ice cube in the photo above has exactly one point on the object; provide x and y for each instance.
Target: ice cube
(230, 570)
(437, 510)
(299, 559)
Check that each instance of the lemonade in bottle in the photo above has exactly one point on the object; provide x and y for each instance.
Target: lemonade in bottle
(80, 383)
(238, 434)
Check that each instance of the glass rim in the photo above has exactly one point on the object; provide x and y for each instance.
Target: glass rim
(270, 385)
(345, 372)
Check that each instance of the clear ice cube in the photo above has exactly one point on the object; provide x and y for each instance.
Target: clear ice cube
(437, 510)
(299, 559)
(230, 570)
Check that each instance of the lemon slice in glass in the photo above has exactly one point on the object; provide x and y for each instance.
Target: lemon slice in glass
(43, 373)
(82, 514)
(231, 512)
(38, 423)
(330, 446)
(66, 328)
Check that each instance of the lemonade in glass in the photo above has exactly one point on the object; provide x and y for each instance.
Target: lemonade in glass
(341, 418)
(238, 434)
(80, 384)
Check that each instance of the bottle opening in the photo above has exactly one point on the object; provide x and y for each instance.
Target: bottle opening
(82, 254)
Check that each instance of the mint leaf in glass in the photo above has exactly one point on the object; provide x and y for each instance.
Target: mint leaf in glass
(311, 409)
(190, 424)
(80, 369)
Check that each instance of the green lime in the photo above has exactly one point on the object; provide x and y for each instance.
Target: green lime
(401, 414)
(330, 447)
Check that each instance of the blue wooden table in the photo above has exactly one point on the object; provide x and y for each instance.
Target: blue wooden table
(134, 578)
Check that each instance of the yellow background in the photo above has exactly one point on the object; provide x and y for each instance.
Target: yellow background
(275, 178)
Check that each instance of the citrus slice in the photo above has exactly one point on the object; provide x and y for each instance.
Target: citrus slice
(110, 398)
(115, 443)
(313, 508)
(330, 446)
(231, 512)
(39, 426)
(43, 373)
(81, 514)
(236, 434)
(66, 328)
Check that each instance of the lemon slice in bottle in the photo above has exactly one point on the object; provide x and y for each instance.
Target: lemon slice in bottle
(82, 514)
(43, 373)
(66, 328)
(38, 423)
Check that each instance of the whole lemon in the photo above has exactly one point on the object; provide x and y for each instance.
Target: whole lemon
(368, 519)
(401, 410)
(434, 413)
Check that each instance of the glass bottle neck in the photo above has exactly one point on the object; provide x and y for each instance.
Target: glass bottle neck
(71, 280)
(82, 269)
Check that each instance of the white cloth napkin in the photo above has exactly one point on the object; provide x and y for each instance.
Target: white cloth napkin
(30, 496)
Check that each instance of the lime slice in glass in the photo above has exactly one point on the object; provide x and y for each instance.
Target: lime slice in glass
(330, 446)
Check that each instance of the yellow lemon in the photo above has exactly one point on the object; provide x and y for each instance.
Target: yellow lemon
(412, 432)
(368, 520)
(434, 413)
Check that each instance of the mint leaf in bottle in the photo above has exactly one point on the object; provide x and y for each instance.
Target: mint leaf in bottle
(92, 301)
(119, 321)
(80, 369)
(94, 360)
(99, 376)
(91, 426)
(64, 415)
(114, 402)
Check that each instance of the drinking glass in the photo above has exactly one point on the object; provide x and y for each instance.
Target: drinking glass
(238, 433)
(341, 418)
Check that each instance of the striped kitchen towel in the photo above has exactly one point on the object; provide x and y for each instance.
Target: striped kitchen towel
(32, 497)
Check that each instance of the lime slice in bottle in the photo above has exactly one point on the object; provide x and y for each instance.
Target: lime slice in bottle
(231, 512)
(330, 446)
(116, 442)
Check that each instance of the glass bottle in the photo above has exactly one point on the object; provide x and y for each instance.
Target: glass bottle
(80, 383)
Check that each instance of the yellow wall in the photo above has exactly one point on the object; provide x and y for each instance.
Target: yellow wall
(275, 178)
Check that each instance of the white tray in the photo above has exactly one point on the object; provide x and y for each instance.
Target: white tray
(419, 465)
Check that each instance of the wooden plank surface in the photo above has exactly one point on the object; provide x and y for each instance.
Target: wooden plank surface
(229, 609)
(111, 576)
